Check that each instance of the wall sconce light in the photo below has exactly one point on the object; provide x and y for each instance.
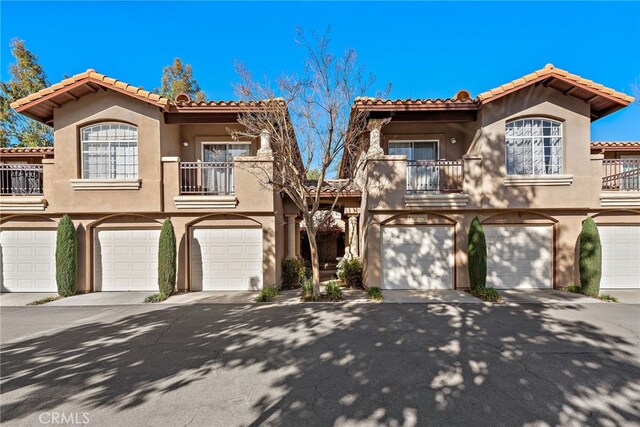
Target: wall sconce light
(185, 143)
(453, 140)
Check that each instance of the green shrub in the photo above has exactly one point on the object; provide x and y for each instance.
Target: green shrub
(155, 298)
(486, 294)
(575, 289)
(167, 259)
(375, 294)
(293, 271)
(590, 258)
(333, 291)
(44, 300)
(350, 271)
(607, 297)
(307, 287)
(267, 294)
(66, 257)
(477, 255)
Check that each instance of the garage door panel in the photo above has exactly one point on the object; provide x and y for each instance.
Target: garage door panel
(126, 260)
(417, 257)
(620, 256)
(27, 261)
(519, 257)
(226, 259)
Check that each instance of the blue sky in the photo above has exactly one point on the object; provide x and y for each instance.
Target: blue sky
(423, 49)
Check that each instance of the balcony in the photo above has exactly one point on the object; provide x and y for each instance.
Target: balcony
(206, 178)
(621, 175)
(435, 176)
(20, 180)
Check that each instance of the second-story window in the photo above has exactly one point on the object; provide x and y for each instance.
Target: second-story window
(533, 147)
(109, 151)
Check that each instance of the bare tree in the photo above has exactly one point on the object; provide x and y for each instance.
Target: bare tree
(313, 111)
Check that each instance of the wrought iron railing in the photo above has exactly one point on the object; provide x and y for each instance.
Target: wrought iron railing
(438, 176)
(206, 178)
(621, 175)
(20, 180)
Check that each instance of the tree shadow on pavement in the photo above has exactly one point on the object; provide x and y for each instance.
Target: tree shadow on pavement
(322, 364)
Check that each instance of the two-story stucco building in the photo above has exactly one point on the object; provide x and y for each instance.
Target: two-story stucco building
(125, 160)
(519, 157)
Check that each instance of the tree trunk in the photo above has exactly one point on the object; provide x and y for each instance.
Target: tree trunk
(315, 266)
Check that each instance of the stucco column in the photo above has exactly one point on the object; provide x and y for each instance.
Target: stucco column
(265, 143)
(291, 236)
(353, 236)
(375, 138)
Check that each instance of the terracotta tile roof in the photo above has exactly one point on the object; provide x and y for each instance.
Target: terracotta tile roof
(35, 150)
(615, 143)
(550, 70)
(92, 76)
(426, 103)
(333, 187)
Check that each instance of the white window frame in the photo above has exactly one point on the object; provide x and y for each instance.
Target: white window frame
(110, 163)
(532, 152)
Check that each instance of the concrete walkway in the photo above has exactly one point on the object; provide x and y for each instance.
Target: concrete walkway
(428, 296)
(625, 296)
(20, 299)
(205, 297)
(102, 298)
(545, 296)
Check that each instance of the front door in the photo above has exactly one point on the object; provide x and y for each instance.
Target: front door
(422, 172)
(217, 174)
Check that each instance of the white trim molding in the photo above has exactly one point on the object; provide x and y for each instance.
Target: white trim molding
(541, 180)
(22, 203)
(105, 184)
(620, 198)
(170, 159)
(205, 202)
(437, 200)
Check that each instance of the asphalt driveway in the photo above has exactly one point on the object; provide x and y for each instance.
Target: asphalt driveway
(322, 364)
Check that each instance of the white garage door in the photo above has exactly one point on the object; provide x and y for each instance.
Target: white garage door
(224, 259)
(519, 256)
(28, 261)
(417, 257)
(620, 256)
(126, 260)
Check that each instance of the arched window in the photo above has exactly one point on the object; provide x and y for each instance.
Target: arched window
(109, 151)
(533, 146)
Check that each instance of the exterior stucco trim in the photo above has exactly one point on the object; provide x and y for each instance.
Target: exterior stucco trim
(205, 202)
(631, 198)
(541, 180)
(455, 200)
(22, 203)
(105, 184)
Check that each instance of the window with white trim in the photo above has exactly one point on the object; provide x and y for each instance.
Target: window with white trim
(109, 151)
(533, 147)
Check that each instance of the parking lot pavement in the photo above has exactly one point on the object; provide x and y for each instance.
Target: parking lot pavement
(322, 364)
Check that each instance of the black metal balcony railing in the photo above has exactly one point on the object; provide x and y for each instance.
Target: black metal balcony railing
(206, 178)
(20, 180)
(621, 175)
(437, 176)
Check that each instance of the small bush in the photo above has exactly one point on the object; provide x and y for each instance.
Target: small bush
(44, 300)
(156, 298)
(293, 271)
(307, 287)
(350, 271)
(167, 259)
(608, 298)
(333, 291)
(477, 255)
(267, 294)
(486, 294)
(590, 261)
(375, 294)
(575, 289)
(66, 257)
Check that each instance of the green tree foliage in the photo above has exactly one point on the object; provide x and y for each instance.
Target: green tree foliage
(66, 257)
(167, 259)
(293, 270)
(313, 174)
(477, 255)
(590, 262)
(27, 77)
(178, 78)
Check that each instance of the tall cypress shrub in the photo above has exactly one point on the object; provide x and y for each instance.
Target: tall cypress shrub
(590, 261)
(477, 255)
(167, 259)
(66, 257)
